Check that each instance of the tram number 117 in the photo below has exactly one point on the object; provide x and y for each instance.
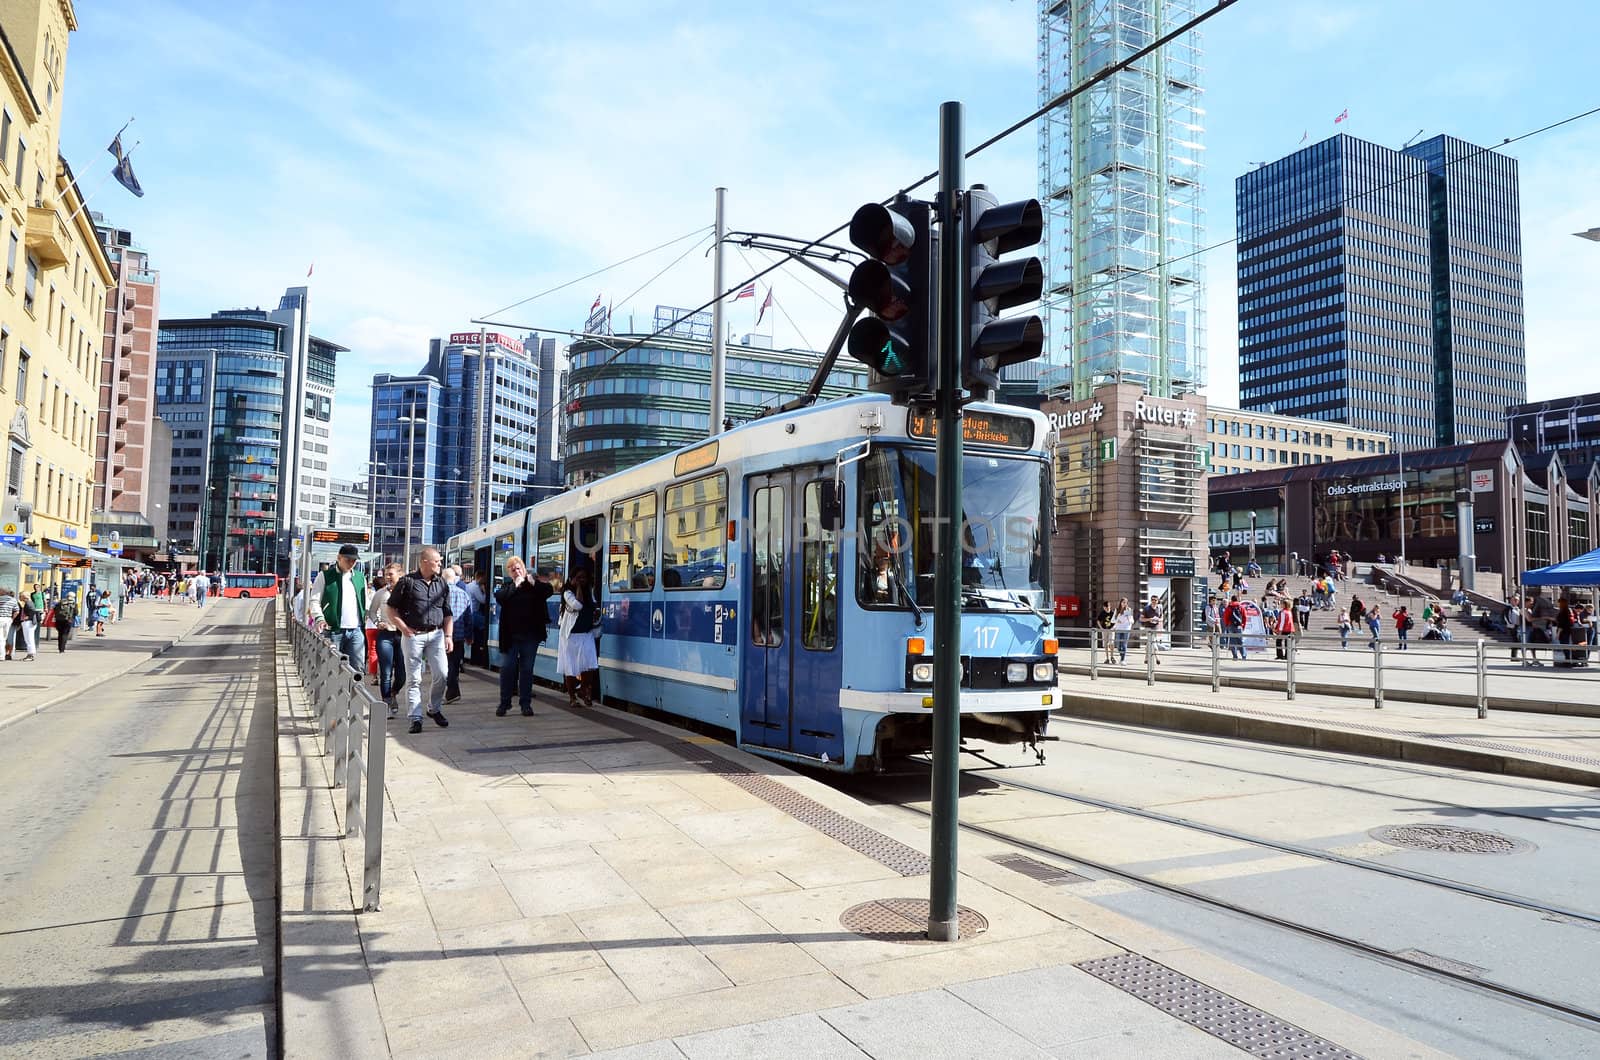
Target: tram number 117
(985, 637)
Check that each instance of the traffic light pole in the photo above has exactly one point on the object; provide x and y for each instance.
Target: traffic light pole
(949, 346)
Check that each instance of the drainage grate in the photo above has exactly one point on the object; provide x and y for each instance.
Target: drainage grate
(553, 745)
(1212, 1011)
(1037, 870)
(905, 920)
(1444, 964)
(1449, 839)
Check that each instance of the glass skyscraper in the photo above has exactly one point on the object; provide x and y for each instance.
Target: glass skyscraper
(1382, 289)
(1120, 180)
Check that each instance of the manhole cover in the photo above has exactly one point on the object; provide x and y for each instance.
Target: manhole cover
(1449, 839)
(905, 920)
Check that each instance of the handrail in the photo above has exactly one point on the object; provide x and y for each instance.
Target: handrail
(345, 710)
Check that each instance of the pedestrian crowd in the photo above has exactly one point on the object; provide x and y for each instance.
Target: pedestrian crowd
(413, 629)
(1568, 628)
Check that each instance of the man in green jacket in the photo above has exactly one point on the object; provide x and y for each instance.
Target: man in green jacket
(344, 607)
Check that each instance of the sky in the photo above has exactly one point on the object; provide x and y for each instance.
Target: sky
(439, 163)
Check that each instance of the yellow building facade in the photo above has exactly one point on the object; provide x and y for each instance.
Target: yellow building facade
(53, 294)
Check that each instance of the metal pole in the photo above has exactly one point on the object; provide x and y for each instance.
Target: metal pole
(1289, 684)
(411, 471)
(1377, 676)
(1149, 638)
(372, 830)
(1094, 653)
(719, 349)
(948, 346)
(1483, 679)
(1216, 660)
(352, 775)
(1400, 456)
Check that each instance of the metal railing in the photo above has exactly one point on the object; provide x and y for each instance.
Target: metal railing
(1296, 655)
(345, 713)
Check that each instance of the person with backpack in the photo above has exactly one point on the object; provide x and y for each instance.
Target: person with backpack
(1233, 620)
(1103, 622)
(63, 615)
(1402, 625)
(102, 612)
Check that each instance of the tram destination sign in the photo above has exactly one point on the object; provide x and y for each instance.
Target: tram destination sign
(341, 537)
(981, 428)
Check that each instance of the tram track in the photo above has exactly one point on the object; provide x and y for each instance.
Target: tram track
(1573, 1014)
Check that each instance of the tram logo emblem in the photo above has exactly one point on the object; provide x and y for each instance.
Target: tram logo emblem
(1077, 417)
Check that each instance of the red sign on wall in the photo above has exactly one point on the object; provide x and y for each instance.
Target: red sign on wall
(493, 338)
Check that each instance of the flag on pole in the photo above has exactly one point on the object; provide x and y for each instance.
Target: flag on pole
(1343, 114)
(765, 305)
(124, 167)
(747, 291)
(596, 304)
(311, 270)
(1305, 136)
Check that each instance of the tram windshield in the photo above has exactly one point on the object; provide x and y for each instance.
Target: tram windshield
(1005, 556)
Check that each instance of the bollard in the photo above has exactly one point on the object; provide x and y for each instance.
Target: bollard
(1483, 679)
(1216, 661)
(352, 773)
(1150, 657)
(1377, 676)
(372, 831)
(1289, 684)
(1094, 653)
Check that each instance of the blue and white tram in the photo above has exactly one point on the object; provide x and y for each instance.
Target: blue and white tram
(777, 581)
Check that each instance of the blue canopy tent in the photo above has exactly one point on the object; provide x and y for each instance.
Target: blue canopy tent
(1580, 570)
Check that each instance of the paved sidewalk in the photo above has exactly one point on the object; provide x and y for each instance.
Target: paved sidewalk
(587, 881)
(1539, 745)
(148, 628)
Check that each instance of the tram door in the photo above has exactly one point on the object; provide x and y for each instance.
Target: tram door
(789, 691)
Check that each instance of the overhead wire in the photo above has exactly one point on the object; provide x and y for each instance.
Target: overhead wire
(601, 271)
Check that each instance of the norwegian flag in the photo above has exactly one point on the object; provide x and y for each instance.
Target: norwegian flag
(1343, 114)
(596, 304)
(765, 305)
(747, 291)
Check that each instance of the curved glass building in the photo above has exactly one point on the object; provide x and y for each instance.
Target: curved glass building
(624, 409)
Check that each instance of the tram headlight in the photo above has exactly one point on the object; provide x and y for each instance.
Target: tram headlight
(922, 673)
(1016, 673)
(1044, 671)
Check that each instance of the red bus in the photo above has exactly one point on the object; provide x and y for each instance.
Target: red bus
(250, 586)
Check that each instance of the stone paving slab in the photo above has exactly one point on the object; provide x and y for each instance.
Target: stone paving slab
(600, 891)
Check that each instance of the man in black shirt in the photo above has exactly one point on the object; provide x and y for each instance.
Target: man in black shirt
(524, 618)
(418, 609)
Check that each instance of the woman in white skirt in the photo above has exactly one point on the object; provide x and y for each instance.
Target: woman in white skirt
(576, 658)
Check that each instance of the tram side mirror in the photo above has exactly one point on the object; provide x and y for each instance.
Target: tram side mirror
(830, 506)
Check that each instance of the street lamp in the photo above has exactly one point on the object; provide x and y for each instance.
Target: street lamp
(1252, 537)
(411, 469)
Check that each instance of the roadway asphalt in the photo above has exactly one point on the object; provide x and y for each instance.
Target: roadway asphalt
(138, 904)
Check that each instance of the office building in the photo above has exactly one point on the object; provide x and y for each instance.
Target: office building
(1253, 441)
(403, 470)
(1569, 426)
(124, 447)
(468, 459)
(624, 409)
(1120, 170)
(348, 507)
(552, 385)
(1382, 289)
(247, 394)
(52, 302)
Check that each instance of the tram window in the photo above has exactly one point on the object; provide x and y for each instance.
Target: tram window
(631, 560)
(819, 586)
(766, 585)
(550, 555)
(695, 538)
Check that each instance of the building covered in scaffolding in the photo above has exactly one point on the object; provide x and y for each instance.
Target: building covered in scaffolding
(1120, 181)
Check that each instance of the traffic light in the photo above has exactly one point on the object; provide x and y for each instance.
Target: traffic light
(895, 284)
(995, 228)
